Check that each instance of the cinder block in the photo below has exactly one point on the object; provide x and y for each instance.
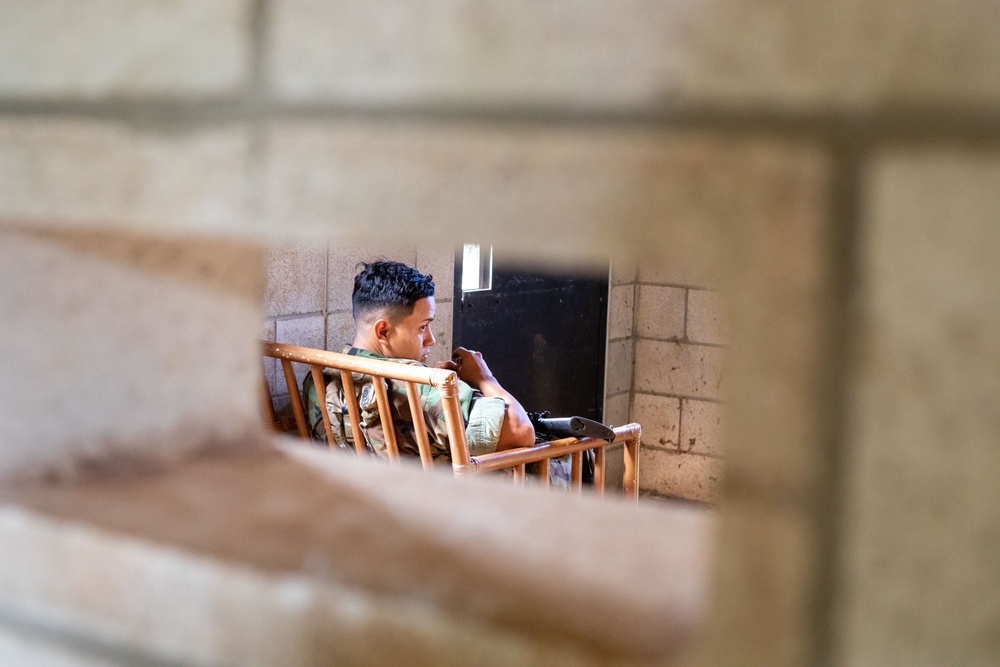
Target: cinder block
(636, 55)
(702, 427)
(344, 264)
(659, 417)
(439, 261)
(465, 52)
(924, 465)
(773, 548)
(117, 48)
(442, 330)
(618, 376)
(159, 566)
(679, 369)
(706, 318)
(306, 331)
(823, 56)
(75, 173)
(779, 282)
(621, 310)
(659, 312)
(686, 272)
(25, 648)
(125, 349)
(616, 409)
(504, 184)
(268, 333)
(687, 476)
(339, 330)
(296, 279)
(623, 270)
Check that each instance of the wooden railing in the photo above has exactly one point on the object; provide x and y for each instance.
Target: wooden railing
(446, 382)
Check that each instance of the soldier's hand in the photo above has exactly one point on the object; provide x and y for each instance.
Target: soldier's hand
(470, 367)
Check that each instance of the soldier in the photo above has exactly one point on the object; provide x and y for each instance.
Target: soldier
(393, 308)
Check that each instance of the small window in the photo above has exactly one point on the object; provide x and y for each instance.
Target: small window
(477, 268)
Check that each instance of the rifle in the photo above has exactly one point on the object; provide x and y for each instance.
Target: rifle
(575, 427)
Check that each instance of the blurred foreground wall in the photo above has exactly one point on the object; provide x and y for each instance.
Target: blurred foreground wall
(834, 169)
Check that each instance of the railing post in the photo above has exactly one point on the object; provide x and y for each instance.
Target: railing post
(630, 482)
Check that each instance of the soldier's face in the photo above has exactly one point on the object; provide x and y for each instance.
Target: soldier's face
(411, 337)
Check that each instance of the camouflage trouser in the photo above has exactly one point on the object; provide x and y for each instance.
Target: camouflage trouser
(560, 471)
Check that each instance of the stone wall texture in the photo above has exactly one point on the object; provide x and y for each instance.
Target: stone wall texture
(923, 428)
(112, 331)
(678, 390)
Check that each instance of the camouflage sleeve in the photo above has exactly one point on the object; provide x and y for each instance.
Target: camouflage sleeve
(314, 416)
(314, 411)
(335, 408)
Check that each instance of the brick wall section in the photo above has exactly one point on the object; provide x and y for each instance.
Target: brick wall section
(678, 388)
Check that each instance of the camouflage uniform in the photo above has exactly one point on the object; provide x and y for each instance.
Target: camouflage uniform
(483, 415)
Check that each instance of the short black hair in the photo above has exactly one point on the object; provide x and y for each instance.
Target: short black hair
(387, 285)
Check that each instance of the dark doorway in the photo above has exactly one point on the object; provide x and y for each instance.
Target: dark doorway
(542, 333)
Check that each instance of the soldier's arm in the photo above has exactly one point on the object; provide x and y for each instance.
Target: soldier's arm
(516, 430)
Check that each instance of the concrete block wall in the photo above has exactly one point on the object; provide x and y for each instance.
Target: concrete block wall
(831, 169)
(112, 327)
(658, 376)
(678, 390)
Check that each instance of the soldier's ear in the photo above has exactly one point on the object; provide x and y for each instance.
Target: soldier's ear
(381, 328)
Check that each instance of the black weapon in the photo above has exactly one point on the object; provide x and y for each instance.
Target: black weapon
(575, 427)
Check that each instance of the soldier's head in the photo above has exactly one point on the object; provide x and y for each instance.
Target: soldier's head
(393, 309)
